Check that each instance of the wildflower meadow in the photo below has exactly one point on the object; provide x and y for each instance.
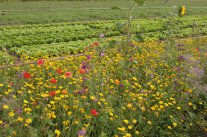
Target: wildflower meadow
(126, 86)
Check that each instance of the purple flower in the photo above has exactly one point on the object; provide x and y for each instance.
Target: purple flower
(95, 100)
(81, 132)
(187, 93)
(102, 54)
(102, 84)
(84, 78)
(88, 57)
(121, 85)
(132, 45)
(101, 35)
(84, 63)
(3, 124)
(180, 57)
(151, 75)
(19, 111)
(178, 44)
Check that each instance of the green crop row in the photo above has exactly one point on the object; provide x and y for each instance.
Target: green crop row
(72, 47)
(58, 49)
(18, 36)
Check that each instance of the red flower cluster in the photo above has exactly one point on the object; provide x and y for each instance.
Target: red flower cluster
(53, 80)
(26, 75)
(95, 43)
(52, 93)
(40, 62)
(93, 112)
(59, 71)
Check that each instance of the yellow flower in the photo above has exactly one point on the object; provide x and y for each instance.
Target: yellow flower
(130, 127)
(14, 133)
(20, 119)
(129, 105)
(137, 132)
(1, 122)
(190, 104)
(57, 132)
(126, 121)
(182, 10)
(134, 121)
(11, 114)
(149, 122)
(5, 106)
(122, 129)
(29, 121)
(169, 127)
(178, 108)
(175, 124)
(76, 122)
(128, 135)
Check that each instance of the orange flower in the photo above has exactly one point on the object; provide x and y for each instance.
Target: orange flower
(81, 71)
(68, 74)
(64, 91)
(117, 82)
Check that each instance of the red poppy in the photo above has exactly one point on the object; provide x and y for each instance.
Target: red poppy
(87, 48)
(93, 112)
(91, 46)
(68, 74)
(52, 93)
(53, 80)
(10, 83)
(26, 75)
(196, 49)
(81, 71)
(59, 71)
(40, 62)
(95, 43)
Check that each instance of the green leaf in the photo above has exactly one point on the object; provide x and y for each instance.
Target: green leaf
(139, 2)
(139, 38)
(112, 43)
(103, 134)
(50, 134)
(118, 25)
(115, 8)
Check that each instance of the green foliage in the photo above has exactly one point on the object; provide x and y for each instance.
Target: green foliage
(139, 2)
(139, 38)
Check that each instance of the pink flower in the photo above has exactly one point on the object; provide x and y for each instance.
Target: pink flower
(68, 74)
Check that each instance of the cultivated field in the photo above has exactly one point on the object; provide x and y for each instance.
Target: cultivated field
(64, 11)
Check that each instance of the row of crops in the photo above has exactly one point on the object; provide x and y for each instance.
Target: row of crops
(68, 38)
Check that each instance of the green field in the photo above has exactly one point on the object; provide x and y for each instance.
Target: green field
(57, 39)
(64, 11)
